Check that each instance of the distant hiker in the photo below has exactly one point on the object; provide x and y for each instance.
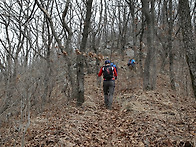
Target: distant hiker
(114, 66)
(131, 63)
(109, 76)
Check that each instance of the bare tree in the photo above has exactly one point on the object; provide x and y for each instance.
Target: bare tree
(149, 77)
(96, 28)
(170, 47)
(188, 39)
(132, 8)
(13, 44)
(80, 58)
(165, 34)
(64, 48)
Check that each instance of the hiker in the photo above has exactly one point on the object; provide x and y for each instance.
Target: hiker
(114, 67)
(132, 63)
(109, 76)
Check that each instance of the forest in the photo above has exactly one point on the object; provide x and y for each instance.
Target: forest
(52, 50)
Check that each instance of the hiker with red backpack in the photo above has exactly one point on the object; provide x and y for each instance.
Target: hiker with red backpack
(109, 76)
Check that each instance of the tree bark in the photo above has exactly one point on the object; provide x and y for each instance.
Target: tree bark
(188, 39)
(140, 47)
(80, 58)
(170, 47)
(149, 78)
(131, 4)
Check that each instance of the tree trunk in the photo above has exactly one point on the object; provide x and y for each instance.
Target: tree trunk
(80, 58)
(149, 78)
(60, 45)
(171, 54)
(47, 74)
(97, 60)
(133, 32)
(9, 79)
(188, 39)
(140, 48)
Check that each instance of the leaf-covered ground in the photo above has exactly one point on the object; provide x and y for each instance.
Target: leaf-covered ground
(138, 118)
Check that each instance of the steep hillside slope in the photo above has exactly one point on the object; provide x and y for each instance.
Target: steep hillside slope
(138, 118)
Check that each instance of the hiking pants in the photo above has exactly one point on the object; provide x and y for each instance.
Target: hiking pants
(108, 89)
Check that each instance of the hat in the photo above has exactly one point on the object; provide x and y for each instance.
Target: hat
(107, 61)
